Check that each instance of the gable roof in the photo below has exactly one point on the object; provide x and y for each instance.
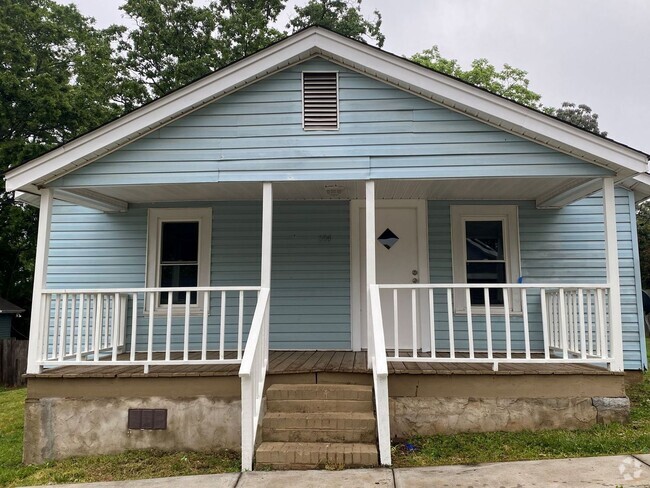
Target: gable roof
(317, 41)
(8, 307)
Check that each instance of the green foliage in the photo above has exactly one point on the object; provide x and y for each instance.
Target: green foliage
(172, 45)
(510, 82)
(580, 116)
(643, 231)
(245, 26)
(56, 81)
(342, 16)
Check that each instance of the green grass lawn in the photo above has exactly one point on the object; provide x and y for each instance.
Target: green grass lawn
(633, 437)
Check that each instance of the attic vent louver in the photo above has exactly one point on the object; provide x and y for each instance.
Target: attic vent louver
(320, 101)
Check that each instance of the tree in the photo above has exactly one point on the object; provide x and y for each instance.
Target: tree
(245, 26)
(342, 16)
(510, 82)
(580, 116)
(173, 43)
(643, 230)
(56, 82)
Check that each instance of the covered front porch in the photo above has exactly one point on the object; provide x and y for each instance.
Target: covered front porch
(404, 321)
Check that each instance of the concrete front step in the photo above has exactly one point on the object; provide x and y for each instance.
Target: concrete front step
(319, 392)
(321, 420)
(319, 427)
(307, 406)
(310, 455)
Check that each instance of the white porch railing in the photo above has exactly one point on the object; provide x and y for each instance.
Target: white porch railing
(571, 323)
(379, 366)
(87, 327)
(253, 374)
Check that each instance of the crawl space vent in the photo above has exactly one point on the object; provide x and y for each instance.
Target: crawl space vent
(320, 101)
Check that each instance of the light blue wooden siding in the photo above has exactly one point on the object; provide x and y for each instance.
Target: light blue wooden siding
(310, 282)
(310, 289)
(256, 134)
(557, 246)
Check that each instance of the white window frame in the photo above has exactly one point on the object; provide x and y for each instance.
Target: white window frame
(509, 216)
(156, 217)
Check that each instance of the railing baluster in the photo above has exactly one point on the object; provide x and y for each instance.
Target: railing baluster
(590, 338)
(88, 322)
(545, 324)
(152, 306)
(432, 323)
(414, 321)
(581, 322)
(55, 332)
(73, 316)
(604, 350)
(470, 331)
(117, 314)
(97, 335)
(450, 319)
(574, 319)
(186, 336)
(506, 311)
(134, 325)
(395, 323)
(222, 326)
(563, 325)
(488, 322)
(63, 318)
(240, 324)
(524, 312)
(80, 322)
(204, 336)
(168, 332)
(105, 318)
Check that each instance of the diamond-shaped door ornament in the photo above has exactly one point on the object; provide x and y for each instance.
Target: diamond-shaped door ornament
(388, 239)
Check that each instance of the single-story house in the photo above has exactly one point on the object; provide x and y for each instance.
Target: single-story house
(7, 313)
(319, 249)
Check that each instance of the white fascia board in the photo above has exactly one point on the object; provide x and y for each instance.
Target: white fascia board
(144, 120)
(397, 71)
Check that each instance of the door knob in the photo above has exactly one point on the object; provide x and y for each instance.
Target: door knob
(414, 272)
(415, 280)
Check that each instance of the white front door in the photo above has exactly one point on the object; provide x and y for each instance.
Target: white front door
(401, 258)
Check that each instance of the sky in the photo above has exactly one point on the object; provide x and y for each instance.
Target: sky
(595, 52)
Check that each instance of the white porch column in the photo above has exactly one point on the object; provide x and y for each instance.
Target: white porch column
(267, 227)
(36, 325)
(371, 262)
(613, 276)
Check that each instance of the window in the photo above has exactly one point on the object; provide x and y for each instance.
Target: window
(485, 249)
(178, 252)
(320, 101)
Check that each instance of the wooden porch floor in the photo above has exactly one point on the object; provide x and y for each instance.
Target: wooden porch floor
(295, 362)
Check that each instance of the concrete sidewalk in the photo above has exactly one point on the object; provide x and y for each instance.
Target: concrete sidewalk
(610, 471)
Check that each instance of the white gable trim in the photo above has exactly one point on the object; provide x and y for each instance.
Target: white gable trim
(397, 71)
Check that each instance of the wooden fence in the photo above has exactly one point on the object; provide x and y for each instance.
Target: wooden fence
(13, 362)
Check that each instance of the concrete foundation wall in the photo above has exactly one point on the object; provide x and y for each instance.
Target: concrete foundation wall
(411, 416)
(57, 428)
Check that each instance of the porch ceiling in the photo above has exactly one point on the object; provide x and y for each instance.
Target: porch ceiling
(535, 189)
